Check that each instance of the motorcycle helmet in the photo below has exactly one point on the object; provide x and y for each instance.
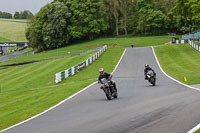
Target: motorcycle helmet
(146, 65)
(101, 70)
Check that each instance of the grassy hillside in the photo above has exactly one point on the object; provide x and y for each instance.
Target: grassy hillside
(137, 41)
(81, 47)
(28, 90)
(25, 91)
(13, 30)
(4, 40)
(180, 61)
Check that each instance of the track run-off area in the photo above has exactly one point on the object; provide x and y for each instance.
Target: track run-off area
(168, 107)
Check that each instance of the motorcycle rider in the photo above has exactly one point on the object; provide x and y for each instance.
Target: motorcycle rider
(107, 76)
(148, 68)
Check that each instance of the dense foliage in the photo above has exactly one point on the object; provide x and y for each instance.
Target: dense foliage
(86, 19)
(23, 15)
(5, 15)
(18, 15)
(49, 29)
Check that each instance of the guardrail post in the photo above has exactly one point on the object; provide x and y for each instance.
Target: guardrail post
(70, 72)
(62, 75)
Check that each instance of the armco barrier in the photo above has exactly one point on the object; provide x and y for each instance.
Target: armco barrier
(181, 41)
(73, 70)
(195, 46)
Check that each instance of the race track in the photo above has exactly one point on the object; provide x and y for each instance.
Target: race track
(141, 108)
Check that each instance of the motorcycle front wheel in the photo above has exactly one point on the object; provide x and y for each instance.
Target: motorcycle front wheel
(153, 81)
(108, 93)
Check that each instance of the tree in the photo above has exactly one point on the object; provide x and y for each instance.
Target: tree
(86, 20)
(150, 20)
(183, 13)
(165, 5)
(23, 15)
(124, 6)
(142, 7)
(17, 15)
(195, 6)
(113, 7)
(156, 21)
(49, 27)
(5, 15)
(55, 33)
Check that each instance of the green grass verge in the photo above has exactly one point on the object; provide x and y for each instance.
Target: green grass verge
(23, 89)
(56, 53)
(12, 48)
(137, 41)
(82, 47)
(180, 61)
(198, 131)
(13, 30)
(4, 40)
(14, 20)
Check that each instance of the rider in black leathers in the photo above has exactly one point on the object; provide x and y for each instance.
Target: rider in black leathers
(147, 68)
(107, 76)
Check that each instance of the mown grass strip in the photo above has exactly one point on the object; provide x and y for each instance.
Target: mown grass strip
(137, 41)
(18, 98)
(198, 131)
(4, 39)
(180, 61)
(82, 47)
(14, 31)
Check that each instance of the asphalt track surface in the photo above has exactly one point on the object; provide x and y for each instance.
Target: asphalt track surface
(141, 108)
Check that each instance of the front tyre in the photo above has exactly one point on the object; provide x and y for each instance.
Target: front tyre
(116, 95)
(108, 93)
(153, 81)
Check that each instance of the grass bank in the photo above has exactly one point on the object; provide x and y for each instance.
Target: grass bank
(198, 131)
(13, 30)
(25, 91)
(4, 40)
(81, 47)
(180, 61)
(137, 41)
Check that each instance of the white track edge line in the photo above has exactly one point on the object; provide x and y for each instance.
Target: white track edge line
(61, 101)
(196, 127)
(119, 61)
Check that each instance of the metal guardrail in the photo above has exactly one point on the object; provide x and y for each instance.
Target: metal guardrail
(181, 41)
(73, 70)
(195, 46)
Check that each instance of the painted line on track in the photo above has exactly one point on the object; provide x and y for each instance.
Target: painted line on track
(119, 61)
(61, 101)
(196, 127)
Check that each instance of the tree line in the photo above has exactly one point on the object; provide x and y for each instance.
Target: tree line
(18, 15)
(23, 15)
(5, 15)
(63, 21)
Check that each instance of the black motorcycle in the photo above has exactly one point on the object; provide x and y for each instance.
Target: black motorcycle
(151, 77)
(108, 88)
